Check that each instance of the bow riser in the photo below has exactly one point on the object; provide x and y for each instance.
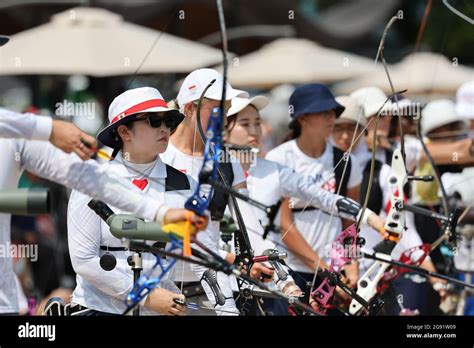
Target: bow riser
(407, 258)
(395, 222)
(367, 285)
(394, 228)
(199, 201)
(343, 250)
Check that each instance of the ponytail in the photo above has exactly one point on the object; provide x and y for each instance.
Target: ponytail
(295, 131)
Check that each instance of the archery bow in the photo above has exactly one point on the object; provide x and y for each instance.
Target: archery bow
(210, 172)
(344, 248)
(395, 220)
(196, 203)
(199, 201)
(353, 141)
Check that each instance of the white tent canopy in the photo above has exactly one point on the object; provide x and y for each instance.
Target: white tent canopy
(297, 61)
(97, 42)
(419, 73)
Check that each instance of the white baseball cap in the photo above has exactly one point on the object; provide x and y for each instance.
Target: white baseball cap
(195, 83)
(128, 105)
(239, 103)
(439, 113)
(353, 110)
(371, 99)
(465, 100)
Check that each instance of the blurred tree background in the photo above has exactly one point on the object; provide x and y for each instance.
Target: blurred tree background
(445, 32)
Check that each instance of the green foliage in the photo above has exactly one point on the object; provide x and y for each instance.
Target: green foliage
(449, 34)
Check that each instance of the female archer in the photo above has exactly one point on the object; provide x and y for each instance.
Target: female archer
(268, 182)
(139, 129)
(186, 153)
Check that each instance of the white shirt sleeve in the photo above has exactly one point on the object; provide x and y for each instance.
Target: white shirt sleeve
(84, 241)
(84, 238)
(275, 155)
(303, 187)
(27, 126)
(45, 160)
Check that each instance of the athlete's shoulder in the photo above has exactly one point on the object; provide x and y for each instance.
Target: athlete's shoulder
(267, 165)
(277, 154)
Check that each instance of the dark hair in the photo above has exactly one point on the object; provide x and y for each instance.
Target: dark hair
(295, 130)
(231, 122)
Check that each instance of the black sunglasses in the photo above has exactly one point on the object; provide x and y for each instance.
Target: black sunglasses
(157, 121)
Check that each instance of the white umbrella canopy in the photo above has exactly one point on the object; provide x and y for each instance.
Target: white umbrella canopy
(420, 73)
(97, 42)
(298, 61)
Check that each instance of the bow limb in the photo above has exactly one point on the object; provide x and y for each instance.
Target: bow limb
(395, 223)
(213, 144)
(242, 238)
(243, 248)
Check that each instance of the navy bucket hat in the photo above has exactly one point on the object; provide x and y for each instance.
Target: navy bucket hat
(313, 98)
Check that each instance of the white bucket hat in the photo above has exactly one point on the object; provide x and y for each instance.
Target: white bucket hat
(439, 113)
(371, 99)
(195, 83)
(239, 103)
(125, 108)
